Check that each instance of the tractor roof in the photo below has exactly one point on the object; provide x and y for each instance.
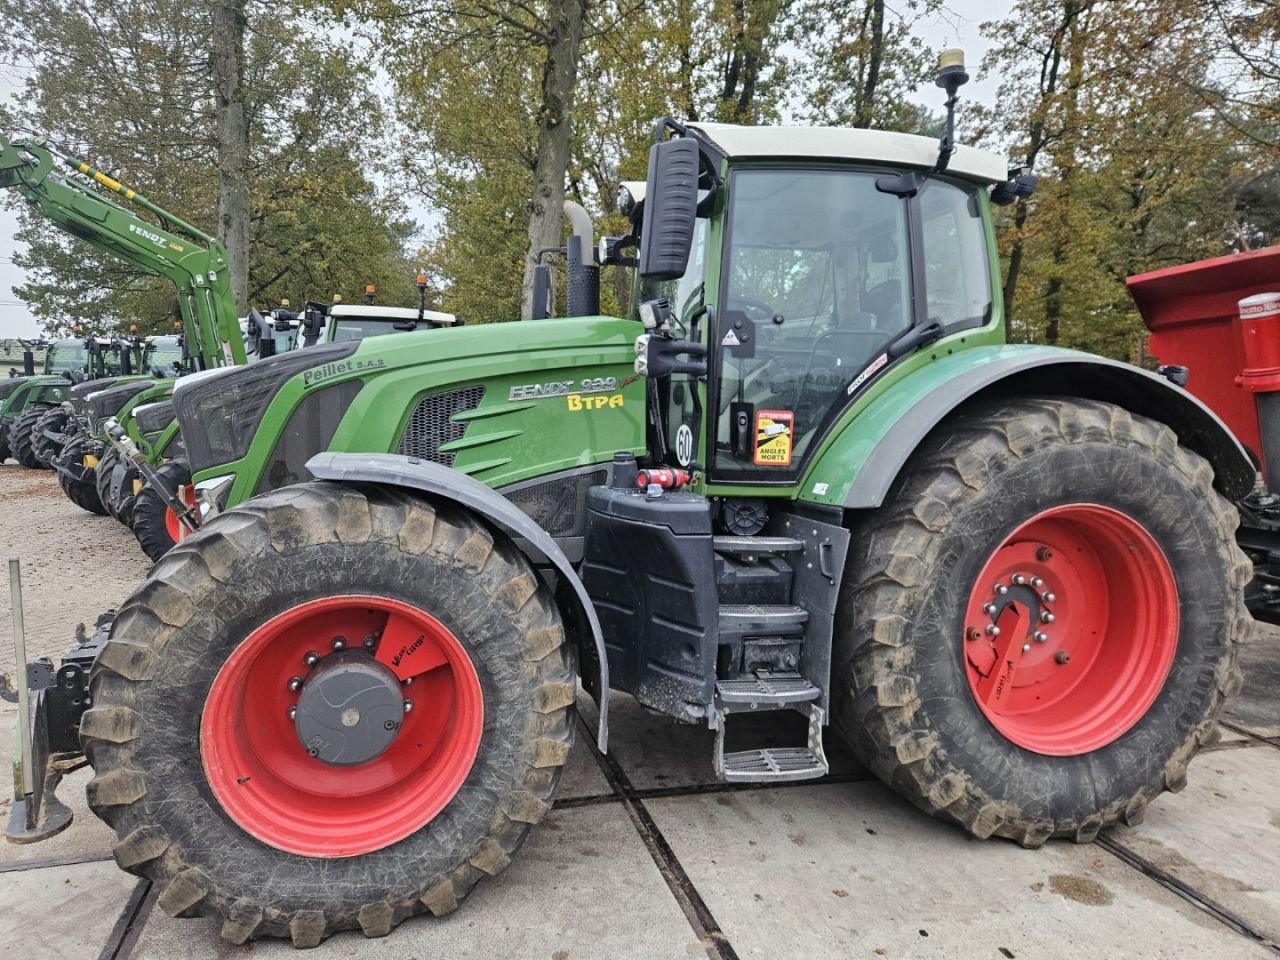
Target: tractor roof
(365, 311)
(847, 143)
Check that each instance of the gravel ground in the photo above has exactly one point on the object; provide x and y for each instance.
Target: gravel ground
(74, 564)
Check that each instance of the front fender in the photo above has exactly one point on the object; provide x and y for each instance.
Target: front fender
(440, 481)
(867, 452)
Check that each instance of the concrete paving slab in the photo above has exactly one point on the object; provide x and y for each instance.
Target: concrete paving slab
(86, 837)
(582, 888)
(841, 870)
(62, 913)
(1256, 707)
(581, 776)
(1221, 835)
(657, 752)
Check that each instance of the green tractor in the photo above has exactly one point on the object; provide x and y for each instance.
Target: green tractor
(806, 475)
(24, 399)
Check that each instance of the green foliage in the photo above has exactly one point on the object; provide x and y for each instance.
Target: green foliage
(128, 88)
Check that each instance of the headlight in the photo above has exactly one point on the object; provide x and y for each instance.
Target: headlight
(219, 415)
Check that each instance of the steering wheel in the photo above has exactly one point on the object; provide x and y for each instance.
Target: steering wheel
(750, 304)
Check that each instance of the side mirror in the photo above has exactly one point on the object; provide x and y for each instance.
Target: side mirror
(670, 209)
(542, 292)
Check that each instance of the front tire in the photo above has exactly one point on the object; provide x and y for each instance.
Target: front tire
(83, 493)
(20, 437)
(152, 520)
(1070, 699)
(193, 689)
(42, 448)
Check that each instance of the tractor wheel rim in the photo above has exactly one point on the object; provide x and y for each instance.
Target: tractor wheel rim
(274, 789)
(172, 525)
(1071, 629)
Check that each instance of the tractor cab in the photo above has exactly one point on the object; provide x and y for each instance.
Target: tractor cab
(805, 274)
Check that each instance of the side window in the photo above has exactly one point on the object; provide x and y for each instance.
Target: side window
(957, 279)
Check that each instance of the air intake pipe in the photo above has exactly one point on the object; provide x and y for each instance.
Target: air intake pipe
(582, 276)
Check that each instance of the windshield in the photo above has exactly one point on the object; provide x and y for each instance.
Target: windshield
(817, 284)
(357, 328)
(65, 356)
(164, 356)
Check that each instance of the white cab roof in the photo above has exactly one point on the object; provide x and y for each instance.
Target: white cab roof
(845, 143)
(367, 311)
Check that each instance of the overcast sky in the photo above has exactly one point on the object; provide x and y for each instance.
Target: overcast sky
(958, 27)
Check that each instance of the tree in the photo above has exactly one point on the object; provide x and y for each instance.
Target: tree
(131, 88)
(232, 141)
(860, 61)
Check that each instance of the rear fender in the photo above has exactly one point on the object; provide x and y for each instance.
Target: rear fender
(390, 469)
(858, 468)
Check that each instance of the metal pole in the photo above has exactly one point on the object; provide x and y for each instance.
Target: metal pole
(20, 649)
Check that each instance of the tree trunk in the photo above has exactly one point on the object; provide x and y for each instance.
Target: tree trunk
(875, 57)
(551, 160)
(233, 142)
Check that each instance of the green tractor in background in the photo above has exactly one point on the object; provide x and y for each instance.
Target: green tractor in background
(806, 475)
(24, 399)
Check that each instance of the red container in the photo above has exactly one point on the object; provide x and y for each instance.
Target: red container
(1192, 312)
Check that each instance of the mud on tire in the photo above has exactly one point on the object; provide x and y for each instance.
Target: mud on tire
(899, 688)
(251, 564)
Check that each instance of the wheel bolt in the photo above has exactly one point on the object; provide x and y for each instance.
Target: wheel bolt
(1019, 579)
(993, 630)
(408, 706)
(1040, 636)
(406, 681)
(989, 608)
(1062, 656)
(293, 713)
(1001, 589)
(295, 684)
(1046, 617)
(311, 658)
(1037, 582)
(369, 641)
(339, 643)
(1026, 647)
(1048, 597)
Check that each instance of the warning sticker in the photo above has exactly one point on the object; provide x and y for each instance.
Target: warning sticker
(774, 430)
(730, 339)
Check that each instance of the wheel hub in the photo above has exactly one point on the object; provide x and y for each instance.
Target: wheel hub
(349, 710)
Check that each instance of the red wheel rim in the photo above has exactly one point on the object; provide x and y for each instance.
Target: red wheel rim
(187, 494)
(1071, 629)
(263, 776)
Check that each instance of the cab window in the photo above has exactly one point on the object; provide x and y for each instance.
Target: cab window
(817, 284)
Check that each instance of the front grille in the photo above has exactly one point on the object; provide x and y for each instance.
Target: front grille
(559, 505)
(432, 426)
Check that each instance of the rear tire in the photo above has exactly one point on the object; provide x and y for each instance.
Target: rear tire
(907, 694)
(152, 521)
(20, 437)
(42, 448)
(200, 610)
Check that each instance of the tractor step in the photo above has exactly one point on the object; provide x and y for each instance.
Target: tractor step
(773, 764)
(765, 691)
(756, 545)
(761, 617)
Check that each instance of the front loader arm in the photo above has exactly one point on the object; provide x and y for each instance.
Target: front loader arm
(193, 260)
